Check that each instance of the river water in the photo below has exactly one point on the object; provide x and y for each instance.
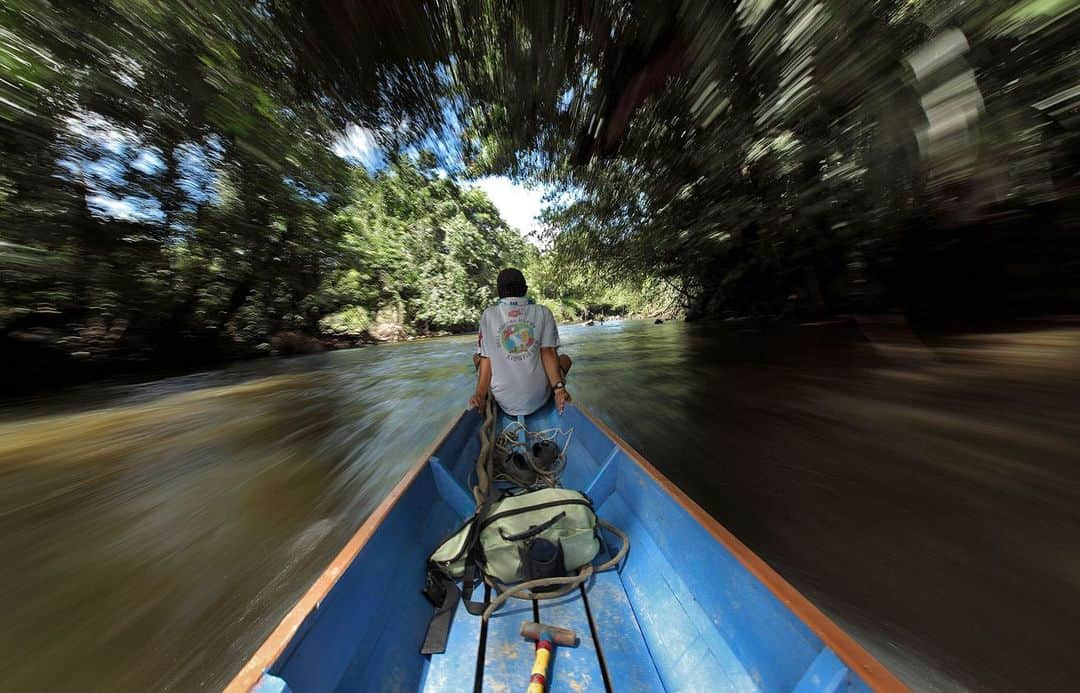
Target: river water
(924, 494)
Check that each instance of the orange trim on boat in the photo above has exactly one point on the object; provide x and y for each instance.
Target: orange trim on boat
(845, 647)
(275, 644)
(850, 652)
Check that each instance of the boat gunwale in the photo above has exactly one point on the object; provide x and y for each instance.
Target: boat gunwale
(278, 640)
(846, 648)
(850, 652)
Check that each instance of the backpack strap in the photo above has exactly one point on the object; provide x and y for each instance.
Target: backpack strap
(442, 591)
(468, 583)
(438, 631)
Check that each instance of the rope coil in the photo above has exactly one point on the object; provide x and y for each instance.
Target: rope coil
(508, 442)
(526, 590)
(485, 460)
(482, 494)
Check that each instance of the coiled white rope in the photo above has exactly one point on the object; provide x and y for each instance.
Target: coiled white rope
(508, 441)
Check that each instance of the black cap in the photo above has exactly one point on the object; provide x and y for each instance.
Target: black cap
(511, 283)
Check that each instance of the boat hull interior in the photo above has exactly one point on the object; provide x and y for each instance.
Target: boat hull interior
(686, 610)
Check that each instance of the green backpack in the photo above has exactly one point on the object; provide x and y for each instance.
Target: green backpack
(543, 540)
(549, 532)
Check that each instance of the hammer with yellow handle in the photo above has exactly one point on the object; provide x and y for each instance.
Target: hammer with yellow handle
(546, 638)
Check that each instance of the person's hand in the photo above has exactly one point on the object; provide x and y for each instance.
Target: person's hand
(477, 401)
(561, 398)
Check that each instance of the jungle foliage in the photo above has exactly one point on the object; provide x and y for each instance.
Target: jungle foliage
(169, 191)
(169, 185)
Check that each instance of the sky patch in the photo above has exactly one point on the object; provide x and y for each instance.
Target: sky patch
(519, 205)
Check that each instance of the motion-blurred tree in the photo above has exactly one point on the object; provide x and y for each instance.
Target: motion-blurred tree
(168, 183)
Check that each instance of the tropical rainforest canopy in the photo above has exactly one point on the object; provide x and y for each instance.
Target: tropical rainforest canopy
(172, 183)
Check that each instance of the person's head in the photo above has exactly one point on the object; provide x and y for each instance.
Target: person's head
(511, 283)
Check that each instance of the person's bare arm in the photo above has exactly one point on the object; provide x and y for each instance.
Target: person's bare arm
(483, 384)
(550, 357)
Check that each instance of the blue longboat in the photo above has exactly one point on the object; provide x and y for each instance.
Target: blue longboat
(689, 609)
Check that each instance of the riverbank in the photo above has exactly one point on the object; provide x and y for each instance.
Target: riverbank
(46, 358)
(43, 361)
(53, 354)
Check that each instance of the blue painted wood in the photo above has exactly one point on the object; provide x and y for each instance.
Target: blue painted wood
(748, 617)
(455, 669)
(389, 654)
(685, 648)
(682, 613)
(459, 451)
(629, 662)
(572, 668)
(584, 468)
(602, 484)
(825, 675)
(465, 458)
(508, 657)
(451, 491)
(596, 444)
(354, 615)
(271, 684)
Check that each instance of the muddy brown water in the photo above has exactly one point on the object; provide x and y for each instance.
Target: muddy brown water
(926, 496)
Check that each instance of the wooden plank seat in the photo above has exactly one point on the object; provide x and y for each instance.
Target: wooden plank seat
(611, 653)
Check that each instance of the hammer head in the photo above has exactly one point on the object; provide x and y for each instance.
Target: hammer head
(564, 637)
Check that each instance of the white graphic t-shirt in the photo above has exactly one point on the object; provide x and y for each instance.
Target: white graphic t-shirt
(511, 335)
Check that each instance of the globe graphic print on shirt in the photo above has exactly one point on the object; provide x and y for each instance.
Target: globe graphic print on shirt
(517, 338)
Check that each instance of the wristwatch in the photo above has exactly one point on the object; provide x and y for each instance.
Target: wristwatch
(559, 386)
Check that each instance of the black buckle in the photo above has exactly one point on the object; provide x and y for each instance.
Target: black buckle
(435, 587)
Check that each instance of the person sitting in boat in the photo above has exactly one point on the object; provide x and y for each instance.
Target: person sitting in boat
(517, 353)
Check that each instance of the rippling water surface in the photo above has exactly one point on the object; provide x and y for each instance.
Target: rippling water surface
(925, 496)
